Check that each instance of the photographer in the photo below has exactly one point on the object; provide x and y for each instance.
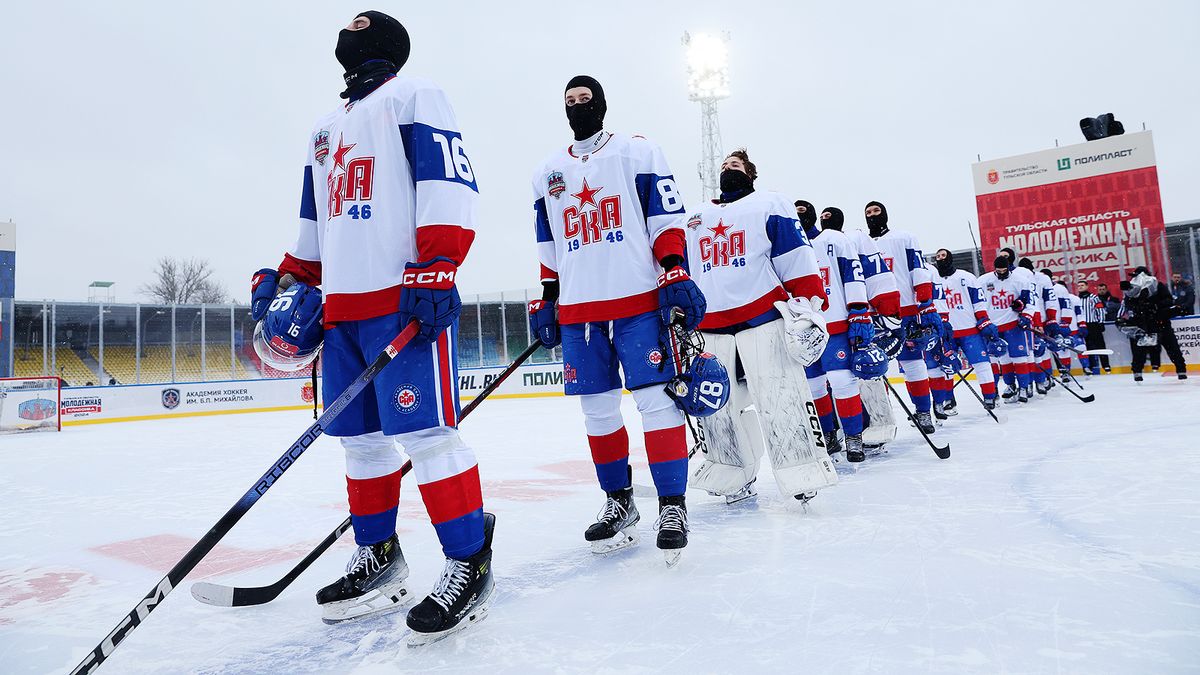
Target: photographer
(1145, 316)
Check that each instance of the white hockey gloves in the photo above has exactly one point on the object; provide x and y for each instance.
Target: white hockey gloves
(804, 330)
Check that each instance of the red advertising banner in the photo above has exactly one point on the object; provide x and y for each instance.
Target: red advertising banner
(1086, 212)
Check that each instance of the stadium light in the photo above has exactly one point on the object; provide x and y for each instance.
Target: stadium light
(708, 82)
(707, 66)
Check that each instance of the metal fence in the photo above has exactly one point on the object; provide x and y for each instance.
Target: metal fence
(100, 344)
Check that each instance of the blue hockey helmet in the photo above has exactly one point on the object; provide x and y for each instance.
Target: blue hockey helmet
(289, 337)
(703, 388)
(869, 362)
(997, 347)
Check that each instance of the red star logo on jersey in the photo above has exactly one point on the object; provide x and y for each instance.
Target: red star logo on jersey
(339, 157)
(587, 195)
(720, 230)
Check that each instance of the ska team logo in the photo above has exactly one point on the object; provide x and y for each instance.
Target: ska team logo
(321, 147)
(694, 221)
(407, 399)
(555, 184)
(170, 398)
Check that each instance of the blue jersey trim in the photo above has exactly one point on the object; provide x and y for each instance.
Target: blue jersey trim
(308, 200)
(427, 157)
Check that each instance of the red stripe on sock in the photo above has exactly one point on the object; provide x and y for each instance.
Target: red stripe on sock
(824, 405)
(849, 407)
(369, 496)
(609, 447)
(452, 497)
(665, 445)
(918, 388)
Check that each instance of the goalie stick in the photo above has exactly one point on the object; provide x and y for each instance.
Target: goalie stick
(237, 596)
(175, 576)
(943, 452)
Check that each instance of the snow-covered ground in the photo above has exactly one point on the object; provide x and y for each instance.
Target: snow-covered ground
(1066, 541)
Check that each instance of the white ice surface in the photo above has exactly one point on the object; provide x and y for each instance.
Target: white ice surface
(1067, 541)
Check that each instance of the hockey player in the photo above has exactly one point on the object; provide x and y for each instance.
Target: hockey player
(902, 253)
(386, 216)
(848, 321)
(967, 316)
(1008, 308)
(1046, 320)
(884, 297)
(759, 275)
(942, 361)
(1071, 326)
(611, 246)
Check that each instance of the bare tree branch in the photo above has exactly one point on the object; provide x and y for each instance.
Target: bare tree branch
(184, 281)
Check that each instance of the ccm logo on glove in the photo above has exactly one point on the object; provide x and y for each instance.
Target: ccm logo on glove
(439, 275)
(671, 276)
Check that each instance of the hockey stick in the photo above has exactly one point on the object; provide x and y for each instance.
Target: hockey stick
(1086, 399)
(1081, 352)
(1062, 368)
(962, 378)
(943, 452)
(193, 557)
(235, 596)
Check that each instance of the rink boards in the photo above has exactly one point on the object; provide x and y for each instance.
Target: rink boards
(127, 403)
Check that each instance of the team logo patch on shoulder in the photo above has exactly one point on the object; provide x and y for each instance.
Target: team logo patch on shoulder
(990, 286)
(694, 221)
(407, 398)
(321, 147)
(555, 184)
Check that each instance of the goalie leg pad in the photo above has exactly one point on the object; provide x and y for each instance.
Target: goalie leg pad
(730, 461)
(786, 412)
(882, 429)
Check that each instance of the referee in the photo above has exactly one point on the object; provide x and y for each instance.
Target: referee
(1093, 314)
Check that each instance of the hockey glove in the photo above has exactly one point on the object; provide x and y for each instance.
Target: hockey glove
(804, 331)
(947, 332)
(860, 330)
(1052, 329)
(988, 330)
(543, 323)
(1024, 320)
(263, 286)
(428, 295)
(1082, 329)
(676, 291)
(1017, 305)
(929, 315)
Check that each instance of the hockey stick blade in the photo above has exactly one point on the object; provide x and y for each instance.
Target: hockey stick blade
(1098, 352)
(217, 532)
(235, 596)
(962, 379)
(942, 452)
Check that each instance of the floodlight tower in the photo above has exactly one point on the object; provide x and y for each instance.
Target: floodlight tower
(708, 82)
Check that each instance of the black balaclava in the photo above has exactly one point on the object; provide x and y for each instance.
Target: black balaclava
(735, 184)
(877, 226)
(836, 219)
(1026, 262)
(371, 55)
(1012, 258)
(945, 266)
(586, 118)
(1002, 266)
(809, 217)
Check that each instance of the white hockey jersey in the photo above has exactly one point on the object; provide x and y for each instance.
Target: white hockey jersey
(386, 182)
(902, 254)
(1046, 300)
(964, 302)
(841, 275)
(745, 255)
(604, 218)
(1070, 311)
(881, 283)
(1026, 279)
(999, 295)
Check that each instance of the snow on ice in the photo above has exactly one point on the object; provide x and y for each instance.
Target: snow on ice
(1066, 541)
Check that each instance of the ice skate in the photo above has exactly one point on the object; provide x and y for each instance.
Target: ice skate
(375, 583)
(1025, 394)
(924, 422)
(832, 444)
(460, 599)
(672, 528)
(939, 412)
(950, 407)
(1009, 393)
(1137, 377)
(989, 403)
(1042, 388)
(747, 492)
(616, 524)
(854, 449)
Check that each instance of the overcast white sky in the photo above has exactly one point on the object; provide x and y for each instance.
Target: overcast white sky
(141, 129)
